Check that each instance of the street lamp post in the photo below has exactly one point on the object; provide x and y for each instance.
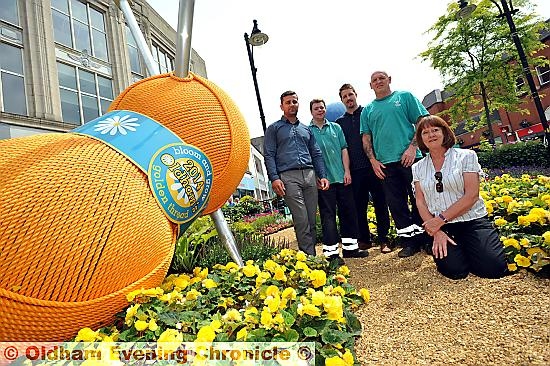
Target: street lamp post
(257, 38)
(507, 11)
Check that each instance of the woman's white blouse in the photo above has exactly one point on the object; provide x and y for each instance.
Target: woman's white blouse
(457, 162)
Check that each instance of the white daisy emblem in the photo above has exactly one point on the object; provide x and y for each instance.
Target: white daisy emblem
(115, 124)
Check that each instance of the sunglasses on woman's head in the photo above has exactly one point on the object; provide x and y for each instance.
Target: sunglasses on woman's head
(439, 184)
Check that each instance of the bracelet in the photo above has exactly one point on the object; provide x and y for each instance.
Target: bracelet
(443, 218)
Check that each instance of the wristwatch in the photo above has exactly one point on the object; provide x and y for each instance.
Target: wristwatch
(443, 218)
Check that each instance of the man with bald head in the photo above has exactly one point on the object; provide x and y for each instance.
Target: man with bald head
(388, 126)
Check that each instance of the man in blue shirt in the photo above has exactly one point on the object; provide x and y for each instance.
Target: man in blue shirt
(338, 199)
(294, 161)
(388, 125)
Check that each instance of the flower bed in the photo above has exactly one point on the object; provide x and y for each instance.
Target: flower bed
(519, 208)
(289, 298)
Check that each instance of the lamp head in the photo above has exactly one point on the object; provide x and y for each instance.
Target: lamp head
(257, 38)
(465, 9)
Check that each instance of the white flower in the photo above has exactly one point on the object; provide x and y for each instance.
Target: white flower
(113, 124)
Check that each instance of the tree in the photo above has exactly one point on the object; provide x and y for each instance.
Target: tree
(478, 60)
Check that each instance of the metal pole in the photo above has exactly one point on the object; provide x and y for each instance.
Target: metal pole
(254, 70)
(526, 70)
(183, 59)
(487, 114)
(150, 63)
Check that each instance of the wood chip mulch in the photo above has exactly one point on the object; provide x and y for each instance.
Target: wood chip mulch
(418, 317)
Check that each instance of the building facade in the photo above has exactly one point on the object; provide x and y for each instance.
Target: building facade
(62, 62)
(507, 127)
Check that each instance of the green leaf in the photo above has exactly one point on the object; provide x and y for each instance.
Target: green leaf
(288, 317)
(353, 323)
(332, 336)
(310, 332)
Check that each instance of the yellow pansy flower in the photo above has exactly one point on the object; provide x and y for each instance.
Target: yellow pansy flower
(302, 266)
(335, 361)
(271, 290)
(270, 265)
(182, 281)
(233, 315)
(192, 295)
(289, 293)
(317, 298)
(308, 309)
(343, 270)
(141, 325)
(209, 283)
(348, 357)
(206, 334)
(500, 222)
(546, 237)
(200, 273)
(523, 221)
(262, 277)
(251, 315)
(334, 307)
(338, 290)
(301, 256)
(524, 242)
(507, 199)
(318, 278)
(152, 325)
(86, 335)
(522, 261)
(250, 270)
(266, 318)
(511, 242)
(279, 274)
(512, 267)
(241, 334)
(231, 267)
(272, 303)
(130, 313)
(365, 294)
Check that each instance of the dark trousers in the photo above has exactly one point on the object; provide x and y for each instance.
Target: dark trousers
(338, 200)
(397, 187)
(478, 250)
(365, 182)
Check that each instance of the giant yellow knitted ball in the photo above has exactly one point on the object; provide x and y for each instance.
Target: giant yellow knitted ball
(79, 226)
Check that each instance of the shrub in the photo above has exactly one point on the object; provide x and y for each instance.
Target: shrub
(530, 153)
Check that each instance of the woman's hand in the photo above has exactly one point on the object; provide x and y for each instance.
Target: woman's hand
(439, 247)
(433, 225)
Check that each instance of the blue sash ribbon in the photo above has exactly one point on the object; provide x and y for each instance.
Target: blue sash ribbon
(180, 175)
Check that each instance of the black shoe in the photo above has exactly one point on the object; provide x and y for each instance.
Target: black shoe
(408, 252)
(356, 254)
(364, 246)
(336, 262)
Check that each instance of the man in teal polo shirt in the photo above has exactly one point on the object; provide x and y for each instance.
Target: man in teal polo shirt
(331, 141)
(388, 126)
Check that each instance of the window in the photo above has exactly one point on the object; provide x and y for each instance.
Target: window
(543, 72)
(12, 81)
(520, 86)
(84, 95)
(134, 55)
(79, 26)
(8, 12)
(163, 59)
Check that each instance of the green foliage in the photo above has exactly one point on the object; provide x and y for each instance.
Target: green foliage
(478, 51)
(190, 244)
(247, 206)
(512, 155)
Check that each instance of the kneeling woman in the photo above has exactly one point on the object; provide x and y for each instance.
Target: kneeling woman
(446, 184)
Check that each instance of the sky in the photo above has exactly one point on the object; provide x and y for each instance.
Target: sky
(314, 47)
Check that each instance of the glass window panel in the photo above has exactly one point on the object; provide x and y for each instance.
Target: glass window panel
(104, 105)
(66, 75)
(69, 107)
(90, 108)
(105, 87)
(8, 11)
(96, 18)
(61, 28)
(130, 38)
(543, 73)
(13, 92)
(135, 65)
(61, 5)
(10, 58)
(79, 11)
(82, 37)
(87, 82)
(100, 44)
(165, 62)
